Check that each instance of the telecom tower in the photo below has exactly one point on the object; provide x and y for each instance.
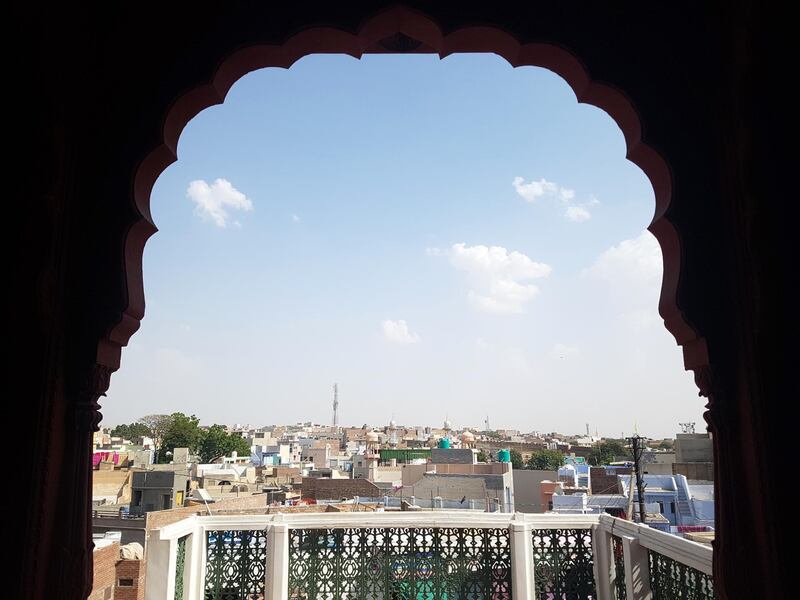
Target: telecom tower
(687, 427)
(336, 405)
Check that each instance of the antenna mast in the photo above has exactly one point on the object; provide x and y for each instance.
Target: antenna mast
(336, 405)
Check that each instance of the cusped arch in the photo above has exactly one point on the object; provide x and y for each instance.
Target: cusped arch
(427, 37)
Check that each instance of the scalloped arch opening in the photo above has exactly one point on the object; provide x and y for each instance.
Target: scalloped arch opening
(422, 29)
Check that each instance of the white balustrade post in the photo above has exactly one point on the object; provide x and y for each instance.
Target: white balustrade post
(604, 573)
(162, 555)
(637, 569)
(277, 571)
(195, 564)
(522, 576)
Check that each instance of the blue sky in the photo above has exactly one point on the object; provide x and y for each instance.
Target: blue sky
(440, 237)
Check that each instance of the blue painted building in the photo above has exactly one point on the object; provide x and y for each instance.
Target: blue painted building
(681, 503)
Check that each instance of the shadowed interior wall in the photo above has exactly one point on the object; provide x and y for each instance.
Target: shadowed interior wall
(98, 96)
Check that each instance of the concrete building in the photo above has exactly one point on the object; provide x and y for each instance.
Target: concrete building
(528, 489)
(681, 503)
(584, 504)
(693, 448)
(604, 479)
(453, 456)
(492, 482)
(320, 457)
(111, 487)
(158, 490)
(694, 456)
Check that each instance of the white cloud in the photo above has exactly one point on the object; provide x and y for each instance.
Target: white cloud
(212, 202)
(564, 351)
(497, 276)
(481, 344)
(295, 218)
(577, 214)
(630, 274)
(535, 190)
(636, 262)
(397, 332)
(532, 191)
(641, 319)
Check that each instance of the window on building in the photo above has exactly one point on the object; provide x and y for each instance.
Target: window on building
(672, 507)
(125, 583)
(137, 498)
(166, 501)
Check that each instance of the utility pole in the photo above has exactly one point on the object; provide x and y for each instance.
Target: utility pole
(637, 448)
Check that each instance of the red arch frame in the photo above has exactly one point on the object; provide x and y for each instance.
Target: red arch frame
(401, 20)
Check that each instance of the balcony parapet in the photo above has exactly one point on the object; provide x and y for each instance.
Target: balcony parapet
(437, 554)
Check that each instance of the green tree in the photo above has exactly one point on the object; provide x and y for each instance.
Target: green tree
(215, 442)
(516, 460)
(482, 456)
(132, 431)
(665, 445)
(608, 451)
(158, 426)
(183, 432)
(545, 460)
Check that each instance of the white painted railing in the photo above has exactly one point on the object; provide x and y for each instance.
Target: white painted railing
(189, 536)
(637, 541)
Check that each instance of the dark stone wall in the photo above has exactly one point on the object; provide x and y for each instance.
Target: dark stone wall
(89, 88)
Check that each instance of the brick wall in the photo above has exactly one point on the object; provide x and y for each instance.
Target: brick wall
(105, 561)
(336, 489)
(604, 483)
(133, 570)
(161, 518)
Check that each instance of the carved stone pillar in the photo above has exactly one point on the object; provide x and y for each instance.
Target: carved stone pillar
(76, 564)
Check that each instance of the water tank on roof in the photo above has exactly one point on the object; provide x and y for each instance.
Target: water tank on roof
(504, 456)
(444, 443)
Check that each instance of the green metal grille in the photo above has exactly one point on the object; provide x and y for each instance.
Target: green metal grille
(563, 564)
(235, 565)
(180, 563)
(670, 579)
(404, 454)
(619, 568)
(400, 563)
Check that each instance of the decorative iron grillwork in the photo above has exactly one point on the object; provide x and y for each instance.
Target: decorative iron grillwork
(670, 579)
(180, 562)
(235, 565)
(619, 568)
(563, 564)
(429, 563)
